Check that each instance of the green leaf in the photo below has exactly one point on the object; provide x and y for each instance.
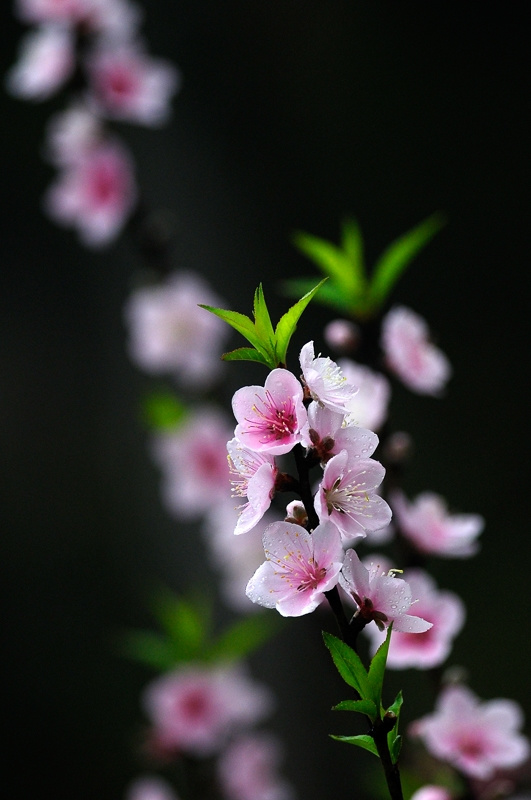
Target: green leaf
(329, 295)
(329, 258)
(148, 648)
(186, 624)
(287, 324)
(362, 706)
(242, 324)
(377, 669)
(349, 665)
(398, 256)
(396, 705)
(363, 740)
(262, 323)
(163, 410)
(394, 740)
(352, 243)
(244, 637)
(271, 344)
(248, 354)
(395, 747)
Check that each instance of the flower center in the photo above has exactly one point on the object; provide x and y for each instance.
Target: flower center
(312, 579)
(274, 421)
(342, 498)
(194, 705)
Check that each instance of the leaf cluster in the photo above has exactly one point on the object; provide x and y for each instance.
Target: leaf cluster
(368, 685)
(186, 634)
(162, 410)
(269, 345)
(351, 290)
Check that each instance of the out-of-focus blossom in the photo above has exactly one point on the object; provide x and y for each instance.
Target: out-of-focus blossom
(324, 380)
(100, 16)
(368, 407)
(381, 536)
(169, 333)
(95, 194)
(419, 364)
(150, 787)
(195, 709)
(475, 737)
(46, 61)
(271, 419)
(299, 569)
(347, 496)
(329, 435)
(443, 609)
(248, 769)
(427, 523)
(342, 335)
(431, 792)
(118, 19)
(71, 134)
(49, 10)
(398, 448)
(126, 84)
(193, 462)
(256, 474)
(234, 558)
(380, 597)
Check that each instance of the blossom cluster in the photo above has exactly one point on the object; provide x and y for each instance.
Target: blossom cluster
(211, 713)
(327, 419)
(332, 419)
(93, 49)
(305, 561)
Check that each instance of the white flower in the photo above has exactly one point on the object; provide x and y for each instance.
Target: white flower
(324, 380)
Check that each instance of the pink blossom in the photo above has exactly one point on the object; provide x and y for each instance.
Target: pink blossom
(150, 787)
(427, 523)
(101, 16)
(329, 435)
(256, 479)
(324, 381)
(368, 407)
(193, 461)
(476, 737)
(71, 134)
(347, 495)
(126, 84)
(248, 769)
(95, 194)
(49, 10)
(380, 597)
(271, 418)
(46, 61)
(431, 792)
(118, 19)
(341, 335)
(168, 333)
(446, 613)
(409, 353)
(195, 709)
(299, 569)
(234, 558)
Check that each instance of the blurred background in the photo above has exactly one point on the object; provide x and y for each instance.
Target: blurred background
(291, 116)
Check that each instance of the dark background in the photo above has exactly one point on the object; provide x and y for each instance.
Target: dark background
(292, 115)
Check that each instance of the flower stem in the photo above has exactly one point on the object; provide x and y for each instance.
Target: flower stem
(349, 630)
(305, 488)
(391, 771)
